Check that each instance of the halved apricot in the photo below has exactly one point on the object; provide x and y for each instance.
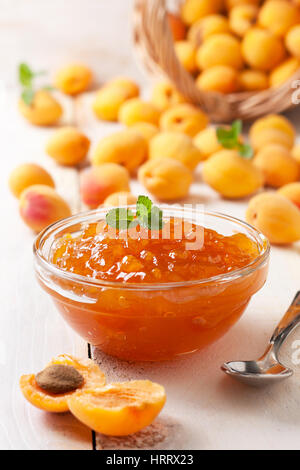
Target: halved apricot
(58, 403)
(118, 409)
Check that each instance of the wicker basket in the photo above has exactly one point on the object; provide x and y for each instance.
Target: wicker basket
(154, 41)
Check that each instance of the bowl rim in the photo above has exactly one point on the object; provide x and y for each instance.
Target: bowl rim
(84, 216)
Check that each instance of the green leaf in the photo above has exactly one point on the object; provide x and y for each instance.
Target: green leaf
(156, 219)
(119, 218)
(145, 202)
(27, 96)
(25, 75)
(245, 151)
(236, 128)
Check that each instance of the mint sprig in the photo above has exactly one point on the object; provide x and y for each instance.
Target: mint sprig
(229, 139)
(147, 216)
(26, 78)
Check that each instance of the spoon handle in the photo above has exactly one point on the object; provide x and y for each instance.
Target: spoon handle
(290, 320)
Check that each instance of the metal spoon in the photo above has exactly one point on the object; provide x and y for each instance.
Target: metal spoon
(267, 369)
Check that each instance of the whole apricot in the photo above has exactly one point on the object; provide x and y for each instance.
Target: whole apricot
(262, 50)
(231, 175)
(110, 98)
(177, 26)
(284, 71)
(135, 110)
(296, 153)
(193, 10)
(73, 79)
(273, 128)
(186, 54)
(43, 111)
(99, 182)
(165, 95)
(253, 80)
(177, 146)
(205, 27)
(147, 130)
(220, 78)
(292, 41)
(41, 205)
(184, 118)
(28, 174)
(122, 198)
(292, 192)
(277, 165)
(127, 147)
(166, 179)
(278, 16)
(220, 49)
(275, 216)
(68, 146)
(242, 18)
(207, 142)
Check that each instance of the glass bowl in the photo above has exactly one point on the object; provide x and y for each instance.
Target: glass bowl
(151, 322)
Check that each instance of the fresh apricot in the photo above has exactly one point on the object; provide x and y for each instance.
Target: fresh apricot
(177, 26)
(57, 403)
(127, 147)
(44, 110)
(193, 10)
(231, 175)
(68, 146)
(122, 198)
(275, 216)
(292, 192)
(26, 175)
(99, 182)
(207, 142)
(220, 78)
(147, 130)
(253, 80)
(272, 129)
(165, 95)
(278, 16)
(73, 79)
(277, 165)
(242, 18)
(119, 409)
(262, 50)
(220, 49)
(184, 118)
(186, 54)
(41, 205)
(136, 110)
(284, 71)
(207, 26)
(177, 146)
(110, 98)
(292, 41)
(166, 179)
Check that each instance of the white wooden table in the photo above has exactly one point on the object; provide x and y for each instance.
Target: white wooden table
(204, 410)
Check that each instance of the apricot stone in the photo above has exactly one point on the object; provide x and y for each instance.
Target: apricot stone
(262, 50)
(277, 165)
(207, 142)
(166, 179)
(220, 78)
(28, 174)
(43, 111)
(292, 41)
(184, 118)
(284, 71)
(177, 146)
(242, 18)
(68, 146)
(41, 205)
(193, 10)
(73, 79)
(127, 147)
(110, 98)
(202, 29)
(278, 16)
(99, 182)
(135, 110)
(292, 192)
(165, 95)
(231, 175)
(220, 49)
(186, 54)
(119, 199)
(275, 216)
(272, 129)
(253, 80)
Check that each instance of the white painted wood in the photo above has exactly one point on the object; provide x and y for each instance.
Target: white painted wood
(204, 410)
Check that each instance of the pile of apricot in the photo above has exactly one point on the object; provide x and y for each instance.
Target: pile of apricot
(78, 386)
(237, 45)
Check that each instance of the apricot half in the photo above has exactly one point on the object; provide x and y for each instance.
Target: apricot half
(58, 403)
(119, 409)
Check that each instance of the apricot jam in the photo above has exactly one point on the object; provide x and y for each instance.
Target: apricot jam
(147, 297)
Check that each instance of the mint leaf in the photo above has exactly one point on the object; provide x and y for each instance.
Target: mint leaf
(25, 75)
(230, 139)
(27, 96)
(145, 202)
(156, 219)
(245, 150)
(236, 128)
(119, 218)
